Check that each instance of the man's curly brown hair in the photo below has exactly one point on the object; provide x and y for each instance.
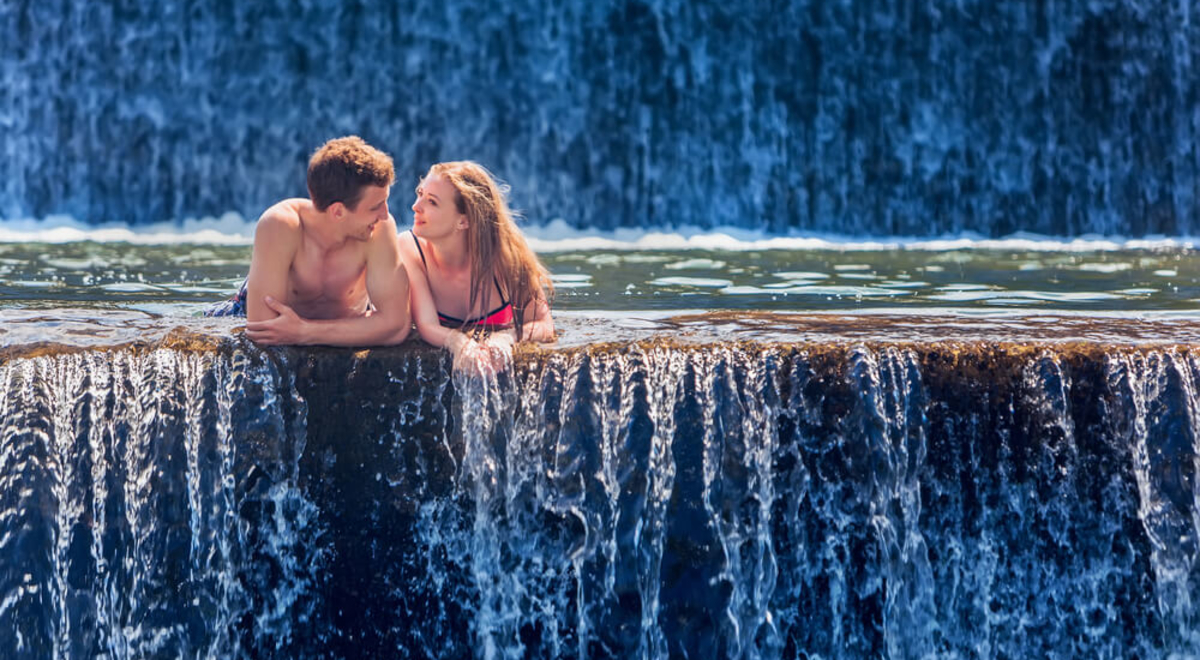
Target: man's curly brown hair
(342, 168)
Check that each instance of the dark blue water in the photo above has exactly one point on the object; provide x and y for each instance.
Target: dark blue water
(871, 117)
(832, 499)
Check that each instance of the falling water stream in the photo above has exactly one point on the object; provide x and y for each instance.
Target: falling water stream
(643, 498)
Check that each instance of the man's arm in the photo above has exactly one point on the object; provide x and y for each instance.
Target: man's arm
(387, 288)
(276, 239)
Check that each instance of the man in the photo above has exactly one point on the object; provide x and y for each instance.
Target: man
(326, 270)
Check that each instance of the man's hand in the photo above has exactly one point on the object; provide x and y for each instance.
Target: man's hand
(287, 328)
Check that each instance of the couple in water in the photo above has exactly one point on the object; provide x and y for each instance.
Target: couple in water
(334, 270)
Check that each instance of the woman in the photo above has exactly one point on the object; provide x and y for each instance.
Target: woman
(469, 266)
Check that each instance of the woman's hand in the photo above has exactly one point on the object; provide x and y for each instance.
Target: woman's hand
(502, 340)
(541, 330)
(500, 348)
(492, 355)
(468, 355)
(456, 341)
(540, 326)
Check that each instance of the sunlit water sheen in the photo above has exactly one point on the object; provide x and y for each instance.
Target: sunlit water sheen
(181, 278)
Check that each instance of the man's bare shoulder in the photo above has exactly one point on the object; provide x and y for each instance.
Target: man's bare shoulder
(385, 233)
(383, 241)
(281, 222)
(285, 214)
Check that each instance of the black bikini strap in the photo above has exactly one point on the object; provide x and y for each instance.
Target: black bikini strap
(500, 291)
(420, 251)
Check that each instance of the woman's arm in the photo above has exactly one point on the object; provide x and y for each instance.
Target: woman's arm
(424, 312)
(541, 326)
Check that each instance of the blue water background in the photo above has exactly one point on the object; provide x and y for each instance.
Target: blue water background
(880, 117)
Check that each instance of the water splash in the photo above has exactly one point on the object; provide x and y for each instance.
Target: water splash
(153, 530)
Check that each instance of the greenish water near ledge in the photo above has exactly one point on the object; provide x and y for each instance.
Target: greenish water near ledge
(183, 278)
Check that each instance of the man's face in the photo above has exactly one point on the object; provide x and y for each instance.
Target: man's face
(434, 212)
(372, 209)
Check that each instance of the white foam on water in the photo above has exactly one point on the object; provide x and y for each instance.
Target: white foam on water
(129, 287)
(707, 282)
(1143, 291)
(695, 264)
(571, 280)
(815, 290)
(798, 275)
(965, 286)
(1106, 267)
(557, 236)
(229, 229)
(1017, 297)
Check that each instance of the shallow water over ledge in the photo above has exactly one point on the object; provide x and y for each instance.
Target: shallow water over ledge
(26, 330)
(181, 278)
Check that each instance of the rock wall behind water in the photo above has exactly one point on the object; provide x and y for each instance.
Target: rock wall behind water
(880, 117)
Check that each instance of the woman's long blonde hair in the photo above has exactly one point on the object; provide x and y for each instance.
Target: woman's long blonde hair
(494, 243)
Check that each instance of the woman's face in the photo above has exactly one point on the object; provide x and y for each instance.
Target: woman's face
(434, 212)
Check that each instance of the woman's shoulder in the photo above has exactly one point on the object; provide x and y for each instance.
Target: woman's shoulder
(407, 241)
(410, 250)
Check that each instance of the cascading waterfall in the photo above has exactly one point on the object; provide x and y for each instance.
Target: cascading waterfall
(844, 116)
(739, 443)
(126, 516)
(643, 500)
(853, 559)
(1161, 389)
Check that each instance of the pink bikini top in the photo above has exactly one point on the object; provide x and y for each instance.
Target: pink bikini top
(502, 315)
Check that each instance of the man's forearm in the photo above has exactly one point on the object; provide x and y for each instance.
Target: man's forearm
(374, 330)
